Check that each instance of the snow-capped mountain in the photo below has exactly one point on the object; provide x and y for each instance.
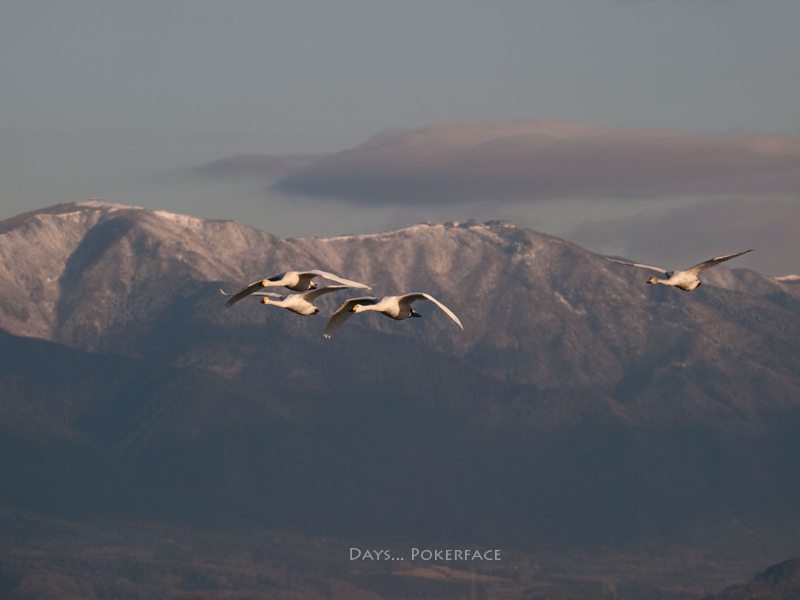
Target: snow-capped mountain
(536, 310)
(577, 402)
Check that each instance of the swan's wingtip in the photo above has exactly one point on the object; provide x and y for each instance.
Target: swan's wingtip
(229, 303)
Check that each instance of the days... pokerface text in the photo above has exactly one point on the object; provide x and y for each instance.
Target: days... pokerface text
(449, 555)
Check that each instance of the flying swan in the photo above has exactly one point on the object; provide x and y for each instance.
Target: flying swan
(302, 304)
(683, 280)
(297, 281)
(396, 307)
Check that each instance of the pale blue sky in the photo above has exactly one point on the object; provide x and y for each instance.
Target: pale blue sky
(325, 75)
(119, 100)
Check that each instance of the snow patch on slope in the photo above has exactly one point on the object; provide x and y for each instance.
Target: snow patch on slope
(108, 206)
(577, 311)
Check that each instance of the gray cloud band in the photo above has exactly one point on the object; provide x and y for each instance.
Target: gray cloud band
(257, 166)
(538, 160)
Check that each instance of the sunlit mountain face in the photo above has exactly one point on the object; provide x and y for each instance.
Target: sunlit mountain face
(579, 407)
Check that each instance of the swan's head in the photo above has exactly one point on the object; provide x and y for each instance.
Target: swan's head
(264, 301)
(265, 283)
(356, 308)
(652, 280)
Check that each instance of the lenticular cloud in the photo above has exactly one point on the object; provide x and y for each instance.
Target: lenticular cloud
(538, 160)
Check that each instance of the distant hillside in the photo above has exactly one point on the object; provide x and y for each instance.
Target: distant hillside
(779, 582)
(579, 406)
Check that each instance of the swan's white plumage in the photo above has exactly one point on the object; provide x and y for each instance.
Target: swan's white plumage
(297, 281)
(630, 264)
(302, 304)
(685, 280)
(396, 307)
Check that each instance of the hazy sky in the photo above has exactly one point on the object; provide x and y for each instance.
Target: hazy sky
(324, 118)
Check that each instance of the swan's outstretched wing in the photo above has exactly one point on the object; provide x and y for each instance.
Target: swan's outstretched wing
(715, 261)
(335, 278)
(344, 312)
(622, 262)
(314, 294)
(270, 294)
(244, 292)
(409, 298)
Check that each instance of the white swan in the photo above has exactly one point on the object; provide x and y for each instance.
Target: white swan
(297, 281)
(302, 304)
(683, 280)
(396, 307)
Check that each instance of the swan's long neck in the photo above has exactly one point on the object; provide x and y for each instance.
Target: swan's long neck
(268, 300)
(653, 280)
(364, 307)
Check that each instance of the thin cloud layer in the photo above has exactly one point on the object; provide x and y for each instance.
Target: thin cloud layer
(259, 166)
(682, 237)
(537, 160)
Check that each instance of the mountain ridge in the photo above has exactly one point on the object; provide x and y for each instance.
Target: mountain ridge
(537, 310)
(578, 406)
(778, 582)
